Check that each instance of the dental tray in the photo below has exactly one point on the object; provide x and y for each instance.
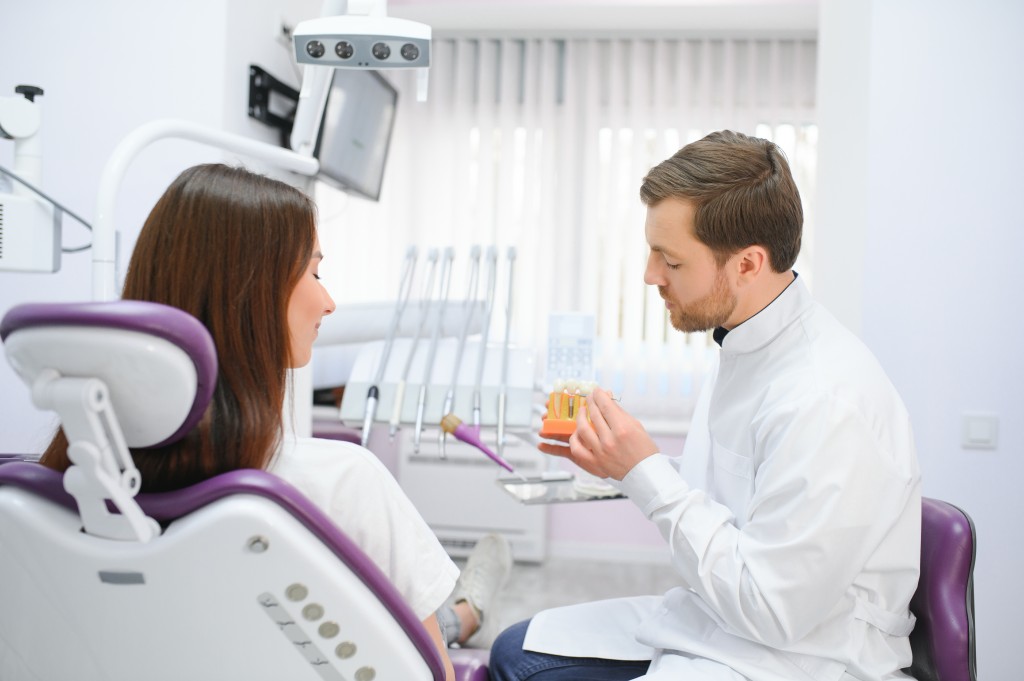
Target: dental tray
(546, 490)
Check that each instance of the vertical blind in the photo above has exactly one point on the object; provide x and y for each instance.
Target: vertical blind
(541, 144)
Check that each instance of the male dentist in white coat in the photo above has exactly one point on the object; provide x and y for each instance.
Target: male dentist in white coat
(793, 516)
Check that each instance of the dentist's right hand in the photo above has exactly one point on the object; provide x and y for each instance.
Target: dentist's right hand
(610, 443)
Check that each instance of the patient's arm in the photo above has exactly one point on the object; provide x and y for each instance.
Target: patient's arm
(435, 634)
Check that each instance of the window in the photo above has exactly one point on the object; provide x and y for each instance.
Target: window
(542, 144)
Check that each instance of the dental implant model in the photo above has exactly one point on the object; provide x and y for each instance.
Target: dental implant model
(565, 402)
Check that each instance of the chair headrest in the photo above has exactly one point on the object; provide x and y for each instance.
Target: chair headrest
(159, 363)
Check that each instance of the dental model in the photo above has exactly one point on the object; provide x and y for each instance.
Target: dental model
(565, 402)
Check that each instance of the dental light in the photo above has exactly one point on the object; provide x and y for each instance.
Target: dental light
(298, 160)
(360, 42)
(352, 35)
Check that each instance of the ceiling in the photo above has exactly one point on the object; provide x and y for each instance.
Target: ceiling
(609, 16)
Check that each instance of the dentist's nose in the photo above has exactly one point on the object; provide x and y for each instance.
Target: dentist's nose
(652, 275)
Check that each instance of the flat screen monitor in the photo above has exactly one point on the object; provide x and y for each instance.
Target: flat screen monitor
(355, 131)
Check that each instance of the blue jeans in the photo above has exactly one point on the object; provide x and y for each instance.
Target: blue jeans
(509, 662)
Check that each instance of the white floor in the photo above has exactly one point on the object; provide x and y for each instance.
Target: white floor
(563, 581)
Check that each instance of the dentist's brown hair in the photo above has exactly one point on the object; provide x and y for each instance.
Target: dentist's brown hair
(743, 192)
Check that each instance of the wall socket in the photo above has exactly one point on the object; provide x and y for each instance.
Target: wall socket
(980, 431)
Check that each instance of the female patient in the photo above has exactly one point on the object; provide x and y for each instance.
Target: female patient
(240, 252)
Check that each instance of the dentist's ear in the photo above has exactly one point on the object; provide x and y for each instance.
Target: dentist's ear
(750, 263)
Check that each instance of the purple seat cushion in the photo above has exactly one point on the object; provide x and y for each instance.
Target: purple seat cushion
(943, 638)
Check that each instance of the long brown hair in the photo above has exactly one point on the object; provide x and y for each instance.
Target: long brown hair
(227, 246)
(743, 192)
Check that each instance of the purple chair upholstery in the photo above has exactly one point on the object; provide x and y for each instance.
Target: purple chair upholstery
(183, 330)
(943, 638)
(471, 664)
(335, 430)
(162, 321)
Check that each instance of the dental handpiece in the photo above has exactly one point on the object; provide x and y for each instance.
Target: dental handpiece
(467, 304)
(373, 395)
(369, 413)
(492, 278)
(452, 424)
(421, 402)
(446, 410)
(396, 408)
(503, 393)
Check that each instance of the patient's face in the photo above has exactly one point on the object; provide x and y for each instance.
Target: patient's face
(308, 305)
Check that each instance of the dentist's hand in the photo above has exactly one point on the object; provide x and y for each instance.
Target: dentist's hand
(610, 444)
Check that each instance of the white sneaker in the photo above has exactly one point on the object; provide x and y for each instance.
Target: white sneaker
(486, 572)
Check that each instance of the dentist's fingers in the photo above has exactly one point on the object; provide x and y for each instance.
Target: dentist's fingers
(555, 450)
(596, 410)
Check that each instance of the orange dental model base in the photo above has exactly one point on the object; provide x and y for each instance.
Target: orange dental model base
(564, 403)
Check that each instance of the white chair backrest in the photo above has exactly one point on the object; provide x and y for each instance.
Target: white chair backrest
(241, 577)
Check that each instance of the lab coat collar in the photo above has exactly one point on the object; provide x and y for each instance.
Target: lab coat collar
(766, 325)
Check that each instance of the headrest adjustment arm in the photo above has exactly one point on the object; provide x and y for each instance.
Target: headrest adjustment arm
(102, 467)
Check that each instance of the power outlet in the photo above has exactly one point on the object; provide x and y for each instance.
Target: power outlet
(980, 431)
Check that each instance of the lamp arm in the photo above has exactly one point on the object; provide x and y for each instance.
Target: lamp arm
(104, 284)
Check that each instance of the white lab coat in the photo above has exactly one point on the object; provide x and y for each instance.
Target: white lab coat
(799, 553)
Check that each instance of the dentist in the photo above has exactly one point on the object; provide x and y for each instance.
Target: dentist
(793, 516)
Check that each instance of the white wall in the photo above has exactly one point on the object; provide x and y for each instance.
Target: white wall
(921, 112)
(107, 67)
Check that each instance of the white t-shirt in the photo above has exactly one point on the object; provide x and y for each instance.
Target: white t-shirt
(360, 495)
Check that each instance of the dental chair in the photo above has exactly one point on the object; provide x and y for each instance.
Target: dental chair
(237, 577)
(943, 641)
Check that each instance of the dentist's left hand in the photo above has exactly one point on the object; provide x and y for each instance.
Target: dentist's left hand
(610, 444)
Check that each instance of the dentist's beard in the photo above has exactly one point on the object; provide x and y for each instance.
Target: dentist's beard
(711, 311)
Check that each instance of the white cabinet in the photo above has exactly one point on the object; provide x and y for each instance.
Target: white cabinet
(460, 498)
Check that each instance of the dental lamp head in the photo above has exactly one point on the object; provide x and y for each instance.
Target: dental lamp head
(362, 42)
(339, 40)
